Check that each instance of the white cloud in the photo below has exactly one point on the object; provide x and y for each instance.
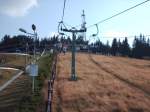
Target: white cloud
(16, 7)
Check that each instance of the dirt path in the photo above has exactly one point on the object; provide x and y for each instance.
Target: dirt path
(95, 91)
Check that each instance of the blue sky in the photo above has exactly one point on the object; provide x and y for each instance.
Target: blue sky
(46, 14)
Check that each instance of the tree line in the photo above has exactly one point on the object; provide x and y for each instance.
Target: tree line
(21, 42)
(140, 47)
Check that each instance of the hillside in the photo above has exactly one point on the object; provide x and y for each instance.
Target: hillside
(105, 84)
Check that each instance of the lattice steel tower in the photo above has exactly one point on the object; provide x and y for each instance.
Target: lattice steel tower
(83, 25)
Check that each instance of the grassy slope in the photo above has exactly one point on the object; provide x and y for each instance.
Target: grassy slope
(18, 96)
(96, 89)
(16, 61)
(5, 75)
(11, 96)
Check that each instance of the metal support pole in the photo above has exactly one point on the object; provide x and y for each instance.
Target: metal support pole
(34, 61)
(34, 51)
(26, 55)
(34, 45)
(73, 72)
(73, 67)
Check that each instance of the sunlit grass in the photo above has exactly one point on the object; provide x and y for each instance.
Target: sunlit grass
(14, 60)
(6, 75)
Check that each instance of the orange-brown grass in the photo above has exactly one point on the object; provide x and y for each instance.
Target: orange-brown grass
(5, 75)
(14, 60)
(133, 70)
(96, 90)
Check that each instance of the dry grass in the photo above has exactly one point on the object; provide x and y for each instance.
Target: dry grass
(13, 60)
(5, 75)
(98, 90)
(133, 70)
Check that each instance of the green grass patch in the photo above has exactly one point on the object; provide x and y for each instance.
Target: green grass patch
(31, 102)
